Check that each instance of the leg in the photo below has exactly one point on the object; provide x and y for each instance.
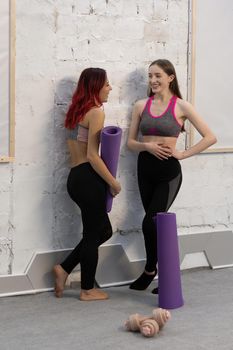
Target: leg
(159, 183)
(174, 186)
(86, 252)
(62, 271)
(96, 231)
(74, 257)
(146, 188)
(157, 204)
(96, 225)
(60, 280)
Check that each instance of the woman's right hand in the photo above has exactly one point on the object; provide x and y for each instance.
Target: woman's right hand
(115, 188)
(159, 150)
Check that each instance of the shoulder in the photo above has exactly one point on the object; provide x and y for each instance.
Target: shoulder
(96, 114)
(185, 106)
(189, 112)
(140, 105)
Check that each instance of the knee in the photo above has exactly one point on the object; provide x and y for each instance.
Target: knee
(106, 233)
(148, 224)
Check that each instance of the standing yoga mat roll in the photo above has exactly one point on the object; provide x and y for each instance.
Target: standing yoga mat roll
(110, 149)
(169, 279)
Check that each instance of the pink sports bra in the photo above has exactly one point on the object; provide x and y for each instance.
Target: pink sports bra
(165, 124)
(79, 133)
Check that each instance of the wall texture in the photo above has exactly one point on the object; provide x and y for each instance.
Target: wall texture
(55, 40)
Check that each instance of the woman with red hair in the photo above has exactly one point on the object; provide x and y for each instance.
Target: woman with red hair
(88, 180)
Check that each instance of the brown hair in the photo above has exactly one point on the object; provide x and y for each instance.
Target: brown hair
(169, 69)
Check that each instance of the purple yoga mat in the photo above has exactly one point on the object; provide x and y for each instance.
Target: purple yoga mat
(110, 149)
(169, 279)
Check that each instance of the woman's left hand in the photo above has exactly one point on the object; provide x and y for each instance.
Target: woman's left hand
(178, 154)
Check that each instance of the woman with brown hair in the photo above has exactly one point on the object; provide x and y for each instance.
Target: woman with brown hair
(159, 119)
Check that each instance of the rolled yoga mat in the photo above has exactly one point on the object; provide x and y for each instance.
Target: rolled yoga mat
(169, 279)
(110, 149)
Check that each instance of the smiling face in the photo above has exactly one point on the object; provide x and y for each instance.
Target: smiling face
(104, 91)
(159, 81)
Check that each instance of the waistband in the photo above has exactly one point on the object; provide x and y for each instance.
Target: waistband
(148, 155)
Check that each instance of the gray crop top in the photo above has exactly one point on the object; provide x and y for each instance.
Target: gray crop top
(79, 133)
(165, 124)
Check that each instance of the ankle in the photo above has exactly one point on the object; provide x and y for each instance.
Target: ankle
(150, 273)
(93, 294)
(58, 268)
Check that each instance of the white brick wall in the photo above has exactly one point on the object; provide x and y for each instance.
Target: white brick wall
(55, 40)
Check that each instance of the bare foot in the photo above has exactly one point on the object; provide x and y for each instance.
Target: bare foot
(60, 280)
(92, 294)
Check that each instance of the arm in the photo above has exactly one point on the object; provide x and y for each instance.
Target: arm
(157, 149)
(96, 122)
(133, 142)
(208, 138)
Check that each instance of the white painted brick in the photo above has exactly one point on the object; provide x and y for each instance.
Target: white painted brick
(29, 8)
(100, 51)
(82, 7)
(155, 50)
(81, 50)
(5, 256)
(144, 8)
(64, 48)
(66, 25)
(5, 208)
(157, 31)
(129, 28)
(98, 7)
(67, 70)
(115, 7)
(182, 217)
(4, 218)
(6, 177)
(196, 216)
(69, 9)
(160, 10)
(177, 11)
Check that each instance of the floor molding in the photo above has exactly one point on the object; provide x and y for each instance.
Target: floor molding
(114, 266)
(217, 247)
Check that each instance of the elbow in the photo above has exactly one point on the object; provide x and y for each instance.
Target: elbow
(129, 144)
(210, 139)
(91, 157)
(213, 139)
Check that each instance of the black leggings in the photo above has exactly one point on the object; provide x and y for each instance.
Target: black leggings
(159, 182)
(88, 191)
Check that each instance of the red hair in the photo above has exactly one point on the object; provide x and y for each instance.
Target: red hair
(86, 95)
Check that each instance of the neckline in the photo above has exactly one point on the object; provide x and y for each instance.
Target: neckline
(159, 116)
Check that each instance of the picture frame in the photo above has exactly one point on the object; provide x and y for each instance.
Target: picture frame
(7, 81)
(209, 94)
